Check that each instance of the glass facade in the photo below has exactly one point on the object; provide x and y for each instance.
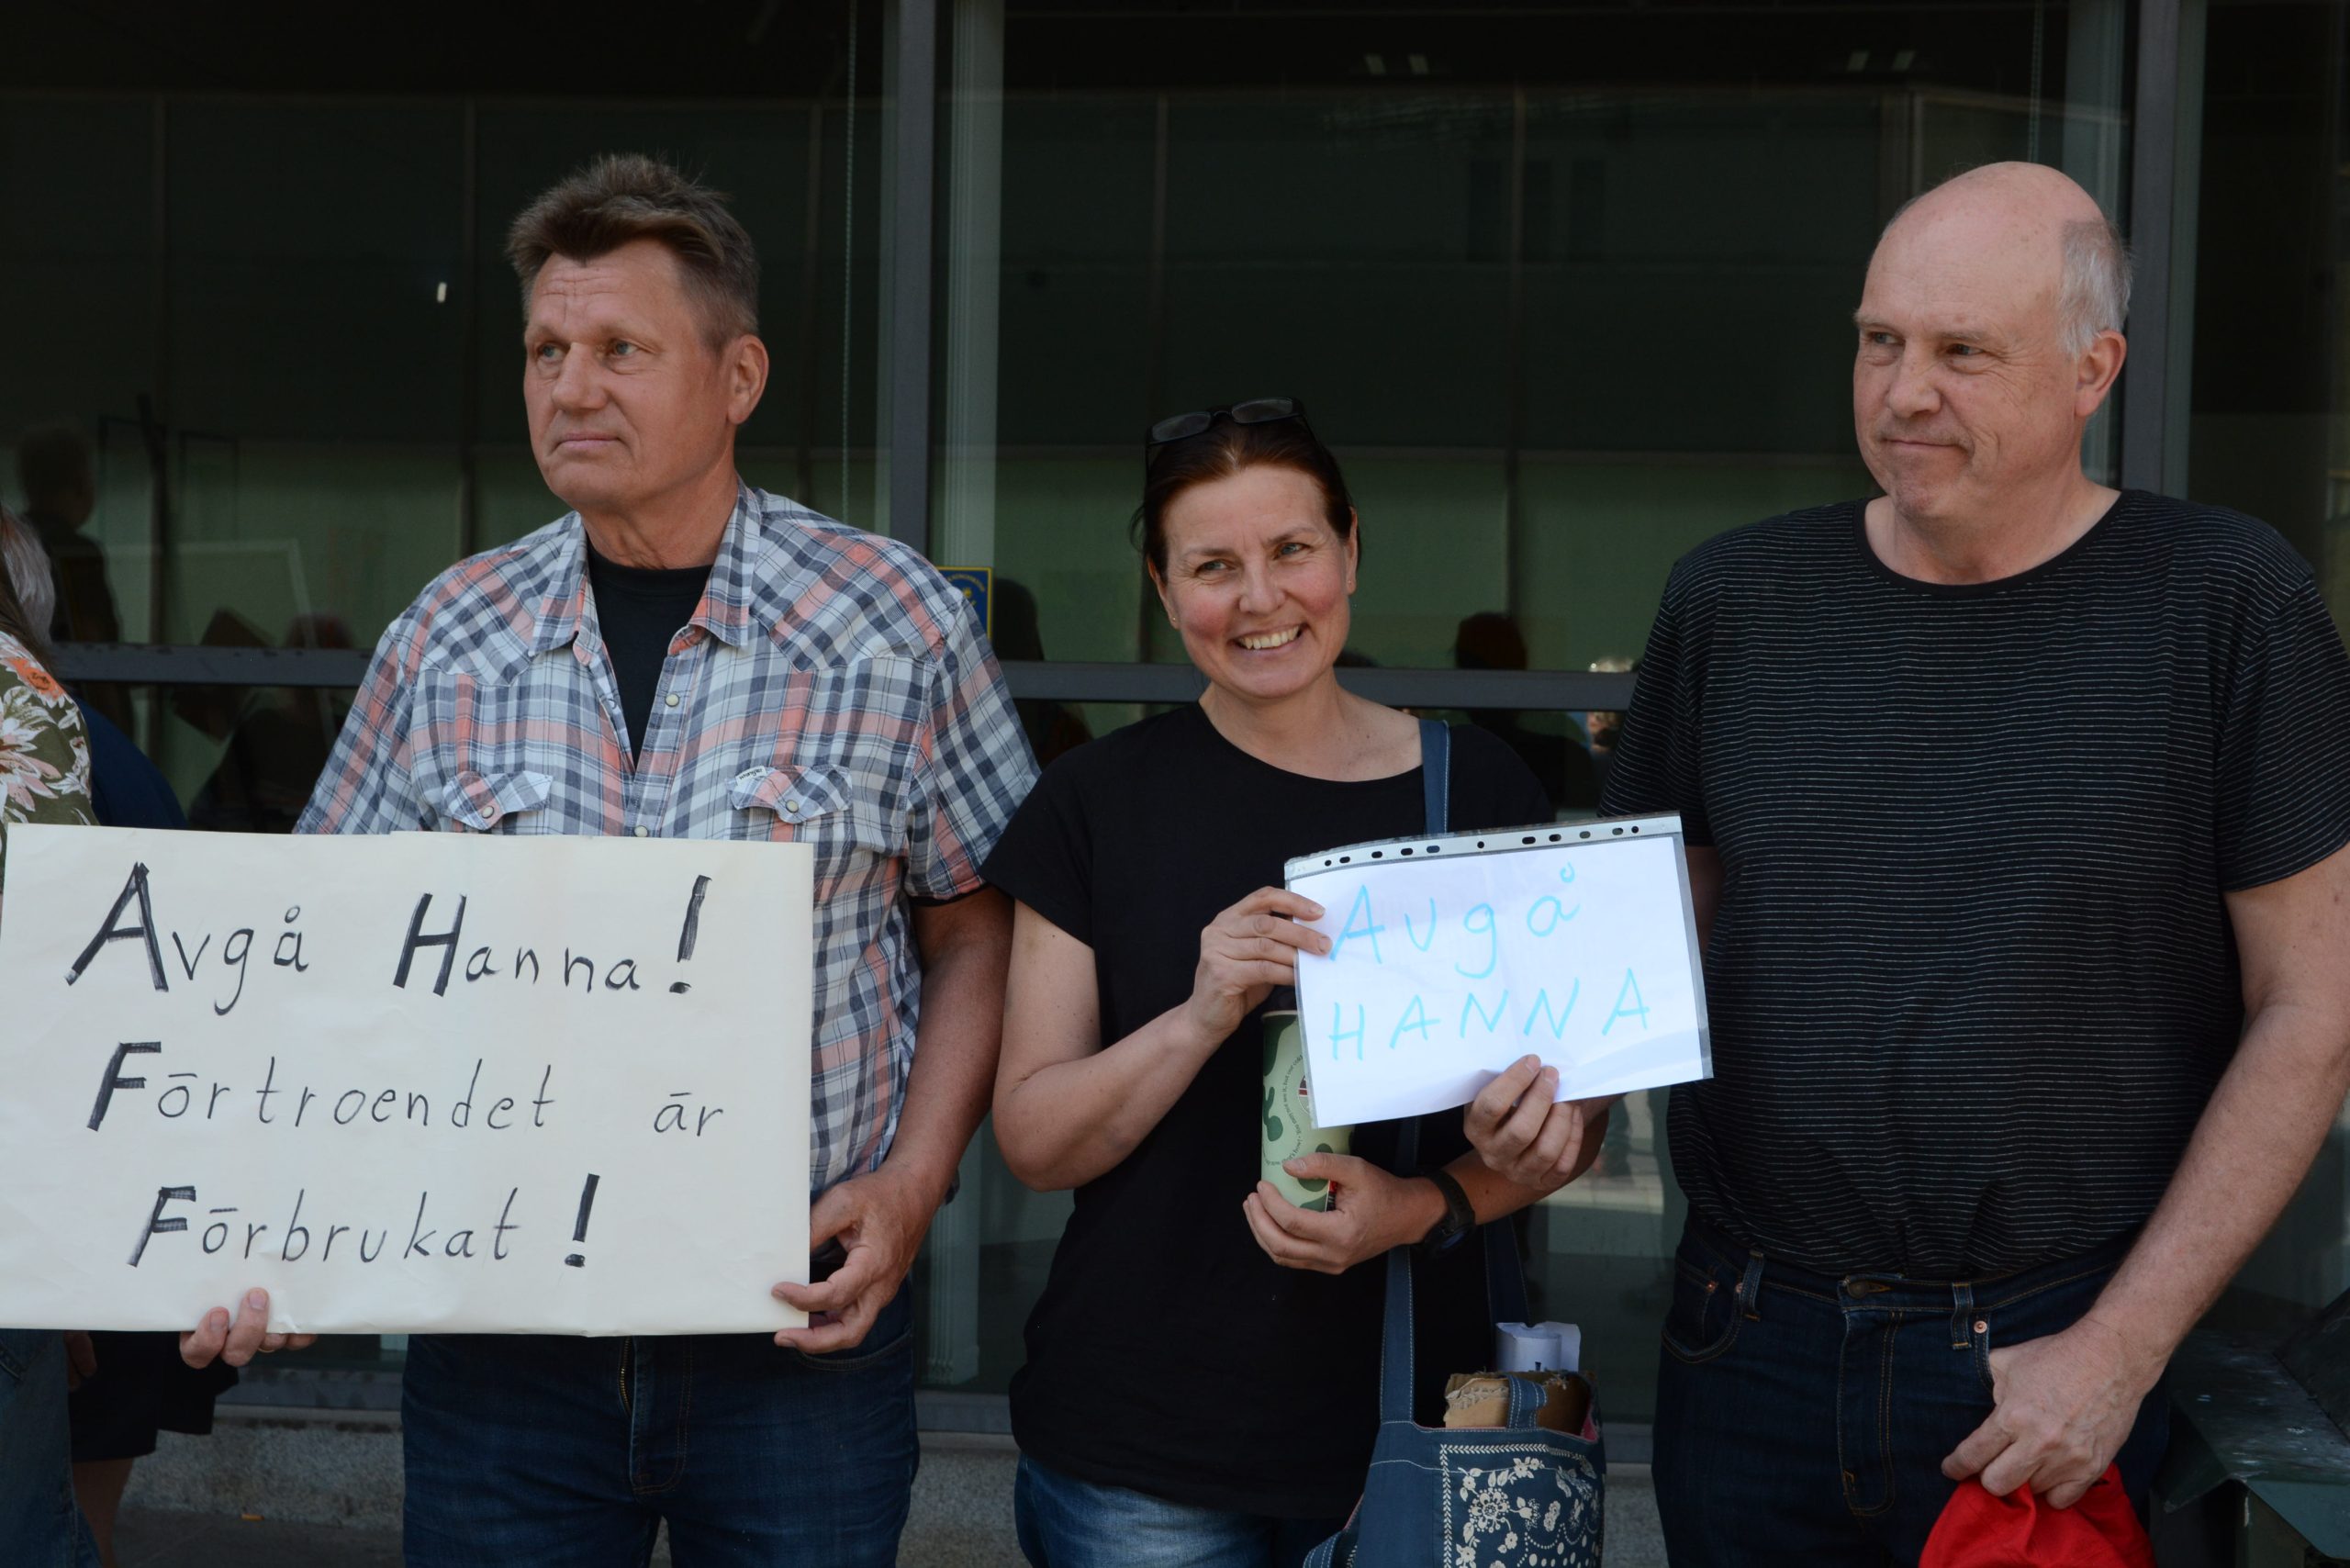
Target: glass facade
(1566, 285)
(281, 336)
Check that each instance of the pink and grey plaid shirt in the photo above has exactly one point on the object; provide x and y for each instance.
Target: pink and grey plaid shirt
(831, 687)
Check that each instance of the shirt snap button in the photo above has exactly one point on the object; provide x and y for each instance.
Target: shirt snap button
(644, 832)
(791, 805)
(673, 699)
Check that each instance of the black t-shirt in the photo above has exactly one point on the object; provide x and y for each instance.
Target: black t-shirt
(1972, 978)
(1168, 1354)
(640, 609)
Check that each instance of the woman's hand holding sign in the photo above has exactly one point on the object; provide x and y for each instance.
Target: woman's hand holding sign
(1244, 953)
(1525, 1135)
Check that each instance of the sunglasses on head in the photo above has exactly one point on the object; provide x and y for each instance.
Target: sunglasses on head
(1254, 411)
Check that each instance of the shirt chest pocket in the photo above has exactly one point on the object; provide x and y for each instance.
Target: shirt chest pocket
(489, 752)
(511, 802)
(815, 806)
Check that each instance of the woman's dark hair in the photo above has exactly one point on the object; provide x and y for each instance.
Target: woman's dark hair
(1224, 449)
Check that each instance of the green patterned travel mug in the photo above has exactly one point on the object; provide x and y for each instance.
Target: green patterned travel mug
(1287, 1126)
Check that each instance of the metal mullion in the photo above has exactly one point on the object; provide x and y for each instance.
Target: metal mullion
(468, 279)
(2154, 164)
(914, 175)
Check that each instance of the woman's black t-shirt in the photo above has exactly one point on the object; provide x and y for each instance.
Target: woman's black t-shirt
(1168, 1354)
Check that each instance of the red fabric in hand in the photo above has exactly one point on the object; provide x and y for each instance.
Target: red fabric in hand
(2020, 1530)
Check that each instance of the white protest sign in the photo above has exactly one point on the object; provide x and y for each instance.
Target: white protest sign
(1453, 956)
(414, 1083)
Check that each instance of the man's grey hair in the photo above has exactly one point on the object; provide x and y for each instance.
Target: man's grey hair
(27, 564)
(2093, 295)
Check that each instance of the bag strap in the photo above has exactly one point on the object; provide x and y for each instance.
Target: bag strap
(1436, 775)
(1505, 1297)
(1505, 1275)
(1396, 1346)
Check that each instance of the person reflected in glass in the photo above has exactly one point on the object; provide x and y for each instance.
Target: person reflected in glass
(1490, 640)
(59, 478)
(278, 747)
(1017, 633)
(1601, 725)
(59, 482)
(1201, 1365)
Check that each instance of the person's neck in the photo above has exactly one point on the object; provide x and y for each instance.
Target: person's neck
(1319, 731)
(2026, 530)
(679, 530)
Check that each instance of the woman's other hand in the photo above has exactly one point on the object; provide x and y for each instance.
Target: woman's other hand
(1370, 1211)
(1245, 952)
(1526, 1136)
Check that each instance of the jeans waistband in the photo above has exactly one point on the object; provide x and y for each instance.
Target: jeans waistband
(1892, 1291)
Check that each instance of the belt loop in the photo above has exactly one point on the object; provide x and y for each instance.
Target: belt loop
(1961, 1315)
(1749, 1287)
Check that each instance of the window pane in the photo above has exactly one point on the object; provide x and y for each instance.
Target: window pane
(2258, 349)
(275, 337)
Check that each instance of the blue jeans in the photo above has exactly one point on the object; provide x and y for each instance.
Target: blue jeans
(39, 1526)
(1068, 1523)
(1803, 1419)
(533, 1451)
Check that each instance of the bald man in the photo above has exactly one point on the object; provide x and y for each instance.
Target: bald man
(2030, 967)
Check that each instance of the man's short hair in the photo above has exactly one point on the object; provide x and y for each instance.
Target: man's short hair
(2095, 294)
(625, 197)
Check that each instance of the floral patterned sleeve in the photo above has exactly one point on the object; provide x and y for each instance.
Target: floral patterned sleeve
(44, 761)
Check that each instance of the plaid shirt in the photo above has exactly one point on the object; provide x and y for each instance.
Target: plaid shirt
(831, 687)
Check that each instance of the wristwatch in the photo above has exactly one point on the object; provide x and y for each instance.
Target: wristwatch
(1460, 1216)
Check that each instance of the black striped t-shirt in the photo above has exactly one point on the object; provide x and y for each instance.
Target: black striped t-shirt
(1971, 980)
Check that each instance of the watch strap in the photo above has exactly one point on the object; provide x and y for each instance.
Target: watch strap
(1460, 1215)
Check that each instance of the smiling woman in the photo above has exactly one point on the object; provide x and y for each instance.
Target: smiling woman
(1133, 1043)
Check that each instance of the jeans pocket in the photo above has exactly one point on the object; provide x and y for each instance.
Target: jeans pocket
(1982, 1338)
(857, 1358)
(1703, 1320)
(16, 1355)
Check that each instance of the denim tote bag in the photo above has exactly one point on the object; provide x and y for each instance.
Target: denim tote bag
(1513, 1496)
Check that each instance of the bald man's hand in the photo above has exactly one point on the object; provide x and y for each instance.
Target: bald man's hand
(2061, 1407)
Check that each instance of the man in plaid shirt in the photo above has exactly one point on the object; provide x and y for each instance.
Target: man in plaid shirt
(684, 656)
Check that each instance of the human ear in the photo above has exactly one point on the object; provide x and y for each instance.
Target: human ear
(2099, 367)
(1158, 587)
(746, 377)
